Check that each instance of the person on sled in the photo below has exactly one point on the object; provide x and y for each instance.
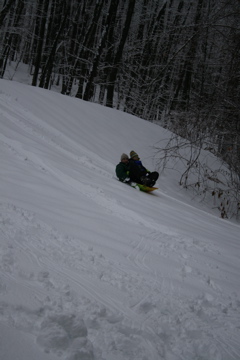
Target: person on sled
(122, 169)
(138, 173)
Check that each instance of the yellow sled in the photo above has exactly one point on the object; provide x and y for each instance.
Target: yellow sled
(144, 188)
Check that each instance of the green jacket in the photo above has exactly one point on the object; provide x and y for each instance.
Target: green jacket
(122, 171)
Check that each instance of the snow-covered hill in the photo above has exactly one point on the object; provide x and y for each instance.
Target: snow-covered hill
(91, 269)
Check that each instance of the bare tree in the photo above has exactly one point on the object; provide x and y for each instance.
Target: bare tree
(41, 18)
(6, 8)
(11, 37)
(106, 36)
(119, 54)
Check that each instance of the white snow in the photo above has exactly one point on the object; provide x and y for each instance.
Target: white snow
(91, 269)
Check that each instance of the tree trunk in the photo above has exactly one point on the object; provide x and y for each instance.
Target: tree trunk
(89, 43)
(42, 13)
(47, 70)
(119, 53)
(11, 38)
(5, 10)
(94, 71)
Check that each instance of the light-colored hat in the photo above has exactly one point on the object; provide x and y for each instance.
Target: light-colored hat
(133, 154)
(124, 156)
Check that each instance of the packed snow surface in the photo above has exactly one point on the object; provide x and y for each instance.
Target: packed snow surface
(92, 269)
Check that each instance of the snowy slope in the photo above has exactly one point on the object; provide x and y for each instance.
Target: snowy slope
(92, 269)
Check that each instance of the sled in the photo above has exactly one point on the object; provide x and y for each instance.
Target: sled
(144, 188)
